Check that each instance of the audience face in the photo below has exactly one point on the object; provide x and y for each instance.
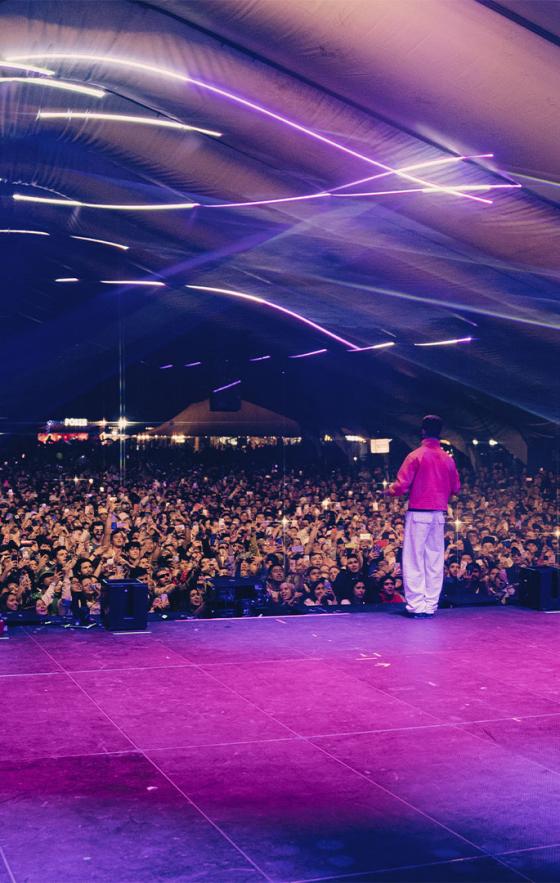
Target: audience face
(177, 529)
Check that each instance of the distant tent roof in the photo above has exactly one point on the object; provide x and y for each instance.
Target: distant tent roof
(251, 419)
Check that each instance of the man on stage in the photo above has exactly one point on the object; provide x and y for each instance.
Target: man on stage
(430, 478)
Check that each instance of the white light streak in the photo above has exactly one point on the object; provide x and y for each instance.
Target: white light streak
(132, 282)
(27, 232)
(446, 342)
(244, 102)
(227, 386)
(106, 59)
(305, 355)
(102, 242)
(260, 358)
(266, 303)
(30, 68)
(56, 84)
(67, 279)
(413, 168)
(76, 203)
(124, 118)
(376, 346)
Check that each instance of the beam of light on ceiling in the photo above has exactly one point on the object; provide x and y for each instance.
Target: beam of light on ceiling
(56, 84)
(245, 102)
(462, 187)
(253, 298)
(442, 304)
(124, 118)
(102, 242)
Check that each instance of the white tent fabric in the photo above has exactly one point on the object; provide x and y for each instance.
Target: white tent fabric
(251, 419)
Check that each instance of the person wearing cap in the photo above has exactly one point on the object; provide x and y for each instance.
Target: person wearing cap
(429, 476)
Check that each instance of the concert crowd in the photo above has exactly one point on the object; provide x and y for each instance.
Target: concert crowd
(308, 537)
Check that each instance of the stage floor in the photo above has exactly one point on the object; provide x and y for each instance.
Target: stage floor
(351, 747)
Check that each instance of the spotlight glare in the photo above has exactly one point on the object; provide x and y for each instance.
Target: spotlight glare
(492, 442)
(102, 242)
(124, 118)
(67, 279)
(475, 442)
(56, 84)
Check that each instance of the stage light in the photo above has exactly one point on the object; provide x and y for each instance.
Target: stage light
(102, 242)
(124, 118)
(492, 442)
(266, 303)
(30, 68)
(192, 364)
(27, 232)
(305, 355)
(148, 282)
(56, 84)
(76, 203)
(227, 386)
(376, 346)
(122, 423)
(475, 442)
(260, 358)
(446, 342)
(67, 279)
(251, 105)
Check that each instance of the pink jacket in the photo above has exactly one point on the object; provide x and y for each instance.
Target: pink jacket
(430, 475)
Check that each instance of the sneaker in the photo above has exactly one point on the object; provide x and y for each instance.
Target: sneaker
(410, 614)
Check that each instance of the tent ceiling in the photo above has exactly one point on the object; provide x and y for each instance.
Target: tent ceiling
(402, 83)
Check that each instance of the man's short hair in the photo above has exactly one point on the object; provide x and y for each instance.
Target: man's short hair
(432, 425)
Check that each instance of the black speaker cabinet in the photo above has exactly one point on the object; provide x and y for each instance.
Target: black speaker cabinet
(539, 588)
(124, 605)
(235, 596)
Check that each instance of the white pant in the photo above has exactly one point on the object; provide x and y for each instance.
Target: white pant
(423, 557)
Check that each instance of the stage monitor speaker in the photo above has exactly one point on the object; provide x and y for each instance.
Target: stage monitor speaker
(124, 605)
(235, 596)
(226, 400)
(539, 588)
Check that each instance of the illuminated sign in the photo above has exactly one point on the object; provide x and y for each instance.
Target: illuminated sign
(75, 421)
